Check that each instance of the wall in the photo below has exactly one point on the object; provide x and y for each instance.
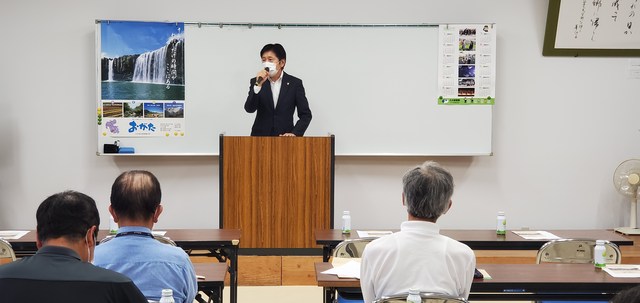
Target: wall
(561, 125)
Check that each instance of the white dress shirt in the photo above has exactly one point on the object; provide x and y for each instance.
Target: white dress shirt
(416, 257)
(275, 89)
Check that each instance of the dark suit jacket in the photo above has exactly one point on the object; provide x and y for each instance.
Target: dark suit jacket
(56, 274)
(272, 121)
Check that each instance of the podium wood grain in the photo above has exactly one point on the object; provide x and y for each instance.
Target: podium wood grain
(277, 190)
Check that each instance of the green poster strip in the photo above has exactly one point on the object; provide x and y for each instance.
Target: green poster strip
(466, 101)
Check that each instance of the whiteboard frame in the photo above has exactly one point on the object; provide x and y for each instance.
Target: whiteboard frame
(249, 25)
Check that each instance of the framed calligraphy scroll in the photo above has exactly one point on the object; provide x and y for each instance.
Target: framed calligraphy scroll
(592, 28)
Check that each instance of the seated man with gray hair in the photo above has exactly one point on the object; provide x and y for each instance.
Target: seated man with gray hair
(418, 256)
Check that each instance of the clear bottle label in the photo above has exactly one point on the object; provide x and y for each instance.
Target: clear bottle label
(501, 228)
(599, 255)
(346, 224)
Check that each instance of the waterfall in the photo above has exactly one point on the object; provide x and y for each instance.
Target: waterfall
(150, 66)
(110, 70)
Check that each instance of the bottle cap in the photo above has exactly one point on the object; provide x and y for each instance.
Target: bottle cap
(346, 212)
(500, 213)
(414, 291)
(167, 293)
(599, 242)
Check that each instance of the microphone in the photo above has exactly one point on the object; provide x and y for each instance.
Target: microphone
(259, 79)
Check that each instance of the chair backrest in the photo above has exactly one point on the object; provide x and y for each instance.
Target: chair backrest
(106, 239)
(576, 251)
(162, 239)
(427, 297)
(6, 252)
(350, 248)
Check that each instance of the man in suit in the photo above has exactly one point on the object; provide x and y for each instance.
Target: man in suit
(275, 95)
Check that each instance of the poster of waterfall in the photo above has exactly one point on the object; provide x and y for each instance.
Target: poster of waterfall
(142, 83)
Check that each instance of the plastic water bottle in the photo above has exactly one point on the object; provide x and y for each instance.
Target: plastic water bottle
(113, 227)
(414, 296)
(167, 296)
(501, 228)
(599, 254)
(346, 222)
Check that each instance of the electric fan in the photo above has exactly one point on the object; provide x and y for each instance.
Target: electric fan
(626, 179)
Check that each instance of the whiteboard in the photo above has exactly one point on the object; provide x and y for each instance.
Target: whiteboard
(373, 87)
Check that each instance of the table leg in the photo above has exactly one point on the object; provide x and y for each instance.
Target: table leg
(213, 291)
(329, 295)
(219, 294)
(326, 252)
(233, 272)
(230, 253)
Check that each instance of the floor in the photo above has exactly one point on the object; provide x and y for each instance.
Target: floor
(280, 294)
(283, 294)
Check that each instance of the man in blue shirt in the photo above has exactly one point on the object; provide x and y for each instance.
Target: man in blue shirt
(153, 266)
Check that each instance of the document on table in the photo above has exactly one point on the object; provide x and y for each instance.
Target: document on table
(373, 233)
(485, 274)
(338, 261)
(159, 232)
(12, 234)
(623, 270)
(350, 269)
(535, 234)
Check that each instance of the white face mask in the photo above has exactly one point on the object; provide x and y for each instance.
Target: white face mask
(273, 70)
(89, 257)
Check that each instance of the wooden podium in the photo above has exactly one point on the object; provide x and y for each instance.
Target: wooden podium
(277, 190)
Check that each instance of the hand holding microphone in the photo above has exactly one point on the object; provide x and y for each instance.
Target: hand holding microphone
(262, 76)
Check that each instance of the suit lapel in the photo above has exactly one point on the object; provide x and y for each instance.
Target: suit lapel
(284, 87)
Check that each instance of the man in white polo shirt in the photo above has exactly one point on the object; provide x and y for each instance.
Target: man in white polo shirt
(418, 256)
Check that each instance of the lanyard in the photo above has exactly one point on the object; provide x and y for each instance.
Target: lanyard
(135, 233)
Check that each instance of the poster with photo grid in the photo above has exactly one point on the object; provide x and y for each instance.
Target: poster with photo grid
(467, 64)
